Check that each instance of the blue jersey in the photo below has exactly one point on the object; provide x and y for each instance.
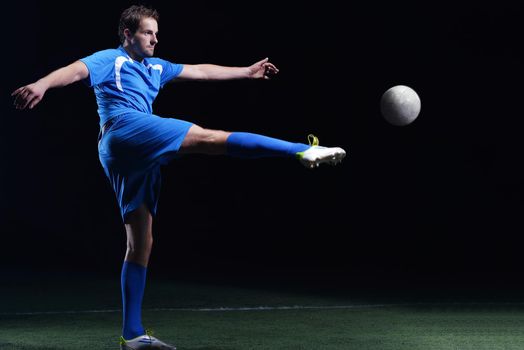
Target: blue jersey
(122, 84)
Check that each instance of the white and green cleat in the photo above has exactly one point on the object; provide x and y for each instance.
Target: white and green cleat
(316, 155)
(145, 342)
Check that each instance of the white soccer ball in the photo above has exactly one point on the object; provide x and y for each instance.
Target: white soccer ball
(400, 105)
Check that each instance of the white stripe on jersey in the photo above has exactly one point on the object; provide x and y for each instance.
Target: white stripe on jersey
(118, 66)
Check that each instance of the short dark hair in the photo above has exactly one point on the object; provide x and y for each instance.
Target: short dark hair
(130, 19)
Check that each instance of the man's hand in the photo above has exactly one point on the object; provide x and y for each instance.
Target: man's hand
(262, 70)
(29, 95)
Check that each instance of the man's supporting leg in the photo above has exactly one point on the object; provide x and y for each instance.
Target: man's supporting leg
(138, 226)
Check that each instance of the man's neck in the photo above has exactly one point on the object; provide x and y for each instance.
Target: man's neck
(131, 54)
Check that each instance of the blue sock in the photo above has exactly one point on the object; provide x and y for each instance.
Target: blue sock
(133, 285)
(248, 145)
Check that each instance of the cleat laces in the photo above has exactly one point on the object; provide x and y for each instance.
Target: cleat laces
(313, 140)
(149, 332)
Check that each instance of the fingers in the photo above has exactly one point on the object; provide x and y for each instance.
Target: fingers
(30, 101)
(19, 98)
(265, 63)
(17, 91)
(34, 102)
(264, 69)
(269, 70)
(23, 97)
(269, 67)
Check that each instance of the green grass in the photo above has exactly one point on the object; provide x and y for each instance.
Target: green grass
(371, 323)
(376, 328)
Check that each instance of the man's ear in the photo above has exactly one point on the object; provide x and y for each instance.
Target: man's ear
(127, 34)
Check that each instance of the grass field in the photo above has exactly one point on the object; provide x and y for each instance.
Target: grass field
(57, 312)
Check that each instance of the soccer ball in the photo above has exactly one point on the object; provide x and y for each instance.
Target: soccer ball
(400, 105)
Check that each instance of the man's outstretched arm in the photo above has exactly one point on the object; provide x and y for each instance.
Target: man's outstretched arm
(30, 95)
(259, 70)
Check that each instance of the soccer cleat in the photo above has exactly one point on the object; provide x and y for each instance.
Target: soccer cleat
(316, 155)
(145, 342)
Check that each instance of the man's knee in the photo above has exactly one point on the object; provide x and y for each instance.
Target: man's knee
(138, 226)
(140, 246)
(208, 136)
(200, 140)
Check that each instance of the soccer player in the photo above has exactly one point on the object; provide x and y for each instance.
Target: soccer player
(134, 142)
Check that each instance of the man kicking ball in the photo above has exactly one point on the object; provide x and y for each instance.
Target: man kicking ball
(134, 142)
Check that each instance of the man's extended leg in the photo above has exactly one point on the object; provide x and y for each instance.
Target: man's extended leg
(249, 145)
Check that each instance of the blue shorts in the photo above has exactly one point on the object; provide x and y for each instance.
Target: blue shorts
(131, 150)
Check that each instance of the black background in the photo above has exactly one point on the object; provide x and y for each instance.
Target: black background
(440, 198)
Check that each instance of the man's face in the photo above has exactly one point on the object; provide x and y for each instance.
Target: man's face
(144, 40)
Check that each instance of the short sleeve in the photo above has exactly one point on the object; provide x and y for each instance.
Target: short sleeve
(170, 71)
(101, 66)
